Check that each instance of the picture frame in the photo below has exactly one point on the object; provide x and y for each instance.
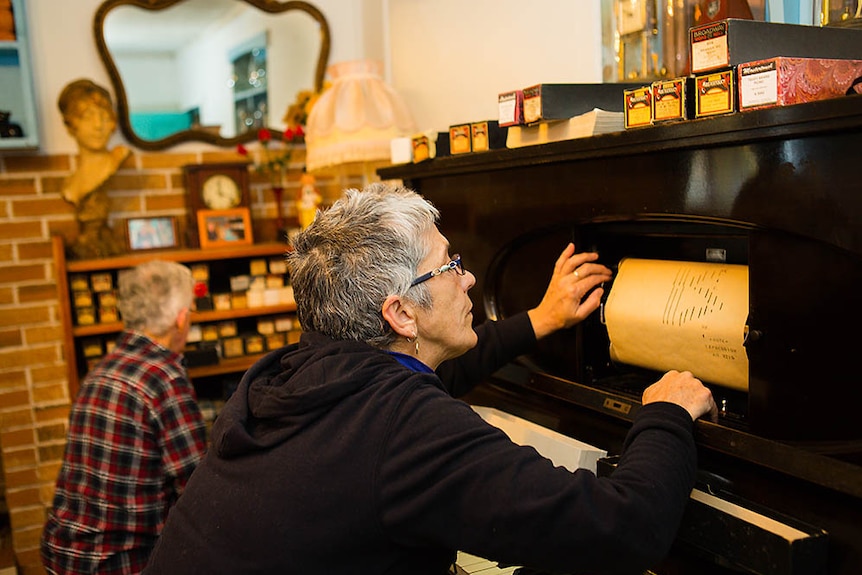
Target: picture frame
(224, 228)
(152, 233)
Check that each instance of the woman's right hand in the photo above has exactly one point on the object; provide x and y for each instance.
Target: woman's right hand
(685, 390)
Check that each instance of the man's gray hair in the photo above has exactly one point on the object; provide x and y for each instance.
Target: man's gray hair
(152, 294)
(364, 248)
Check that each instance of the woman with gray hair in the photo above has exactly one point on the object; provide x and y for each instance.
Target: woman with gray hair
(135, 434)
(347, 452)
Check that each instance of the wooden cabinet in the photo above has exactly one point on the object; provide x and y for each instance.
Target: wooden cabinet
(223, 264)
(19, 129)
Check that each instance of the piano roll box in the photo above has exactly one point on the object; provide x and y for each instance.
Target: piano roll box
(727, 43)
(544, 102)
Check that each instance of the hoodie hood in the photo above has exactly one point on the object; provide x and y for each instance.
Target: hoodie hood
(292, 386)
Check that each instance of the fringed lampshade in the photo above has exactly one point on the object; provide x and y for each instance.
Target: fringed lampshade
(354, 120)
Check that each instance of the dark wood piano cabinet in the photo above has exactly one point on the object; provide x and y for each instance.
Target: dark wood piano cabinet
(781, 191)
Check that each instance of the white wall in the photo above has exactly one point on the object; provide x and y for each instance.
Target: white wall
(448, 58)
(451, 58)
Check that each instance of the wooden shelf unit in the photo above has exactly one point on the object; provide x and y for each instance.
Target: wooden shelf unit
(73, 335)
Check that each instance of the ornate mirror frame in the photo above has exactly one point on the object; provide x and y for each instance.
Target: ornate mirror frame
(195, 135)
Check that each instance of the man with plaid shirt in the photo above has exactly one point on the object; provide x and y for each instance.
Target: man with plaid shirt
(135, 434)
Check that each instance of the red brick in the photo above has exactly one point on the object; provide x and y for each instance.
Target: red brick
(29, 314)
(17, 438)
(10, 338)
(41, 207)
(12, 380)
(48, 373)
(43, 334)
(12, 399)
(34, 250)
(150, 161)
(21, 477)
(34, 293)
(28, 517)
(19, 457)
(29, 356)
(29, 163)
(27, 537)
(51, 432)
(15, 418)
(50, 394)
(52, 452)
(20, 230)
(17, 187)
(52, 413)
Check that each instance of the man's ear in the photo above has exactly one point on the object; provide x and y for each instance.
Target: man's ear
(182, 317)
(400, 316)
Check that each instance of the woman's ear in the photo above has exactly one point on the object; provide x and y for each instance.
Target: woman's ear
(400, 316)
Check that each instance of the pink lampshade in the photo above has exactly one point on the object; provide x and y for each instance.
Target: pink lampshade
(356, 118)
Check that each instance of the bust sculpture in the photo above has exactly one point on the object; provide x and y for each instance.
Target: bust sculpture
(90, 118)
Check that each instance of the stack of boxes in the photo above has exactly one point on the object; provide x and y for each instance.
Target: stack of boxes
(739, 64)
(94, 300)
(263, 286)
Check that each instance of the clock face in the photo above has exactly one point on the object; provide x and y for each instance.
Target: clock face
(221, 192)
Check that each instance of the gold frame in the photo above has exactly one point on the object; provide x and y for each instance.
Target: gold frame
(234, 219)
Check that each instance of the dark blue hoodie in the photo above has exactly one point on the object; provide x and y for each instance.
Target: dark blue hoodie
(334, 458)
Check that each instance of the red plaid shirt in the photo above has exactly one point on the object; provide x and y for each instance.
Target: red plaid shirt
(135, 436)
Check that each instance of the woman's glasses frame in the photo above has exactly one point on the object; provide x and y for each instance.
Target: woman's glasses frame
(455, 264)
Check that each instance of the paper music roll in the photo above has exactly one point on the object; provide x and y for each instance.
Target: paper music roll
(664, 315)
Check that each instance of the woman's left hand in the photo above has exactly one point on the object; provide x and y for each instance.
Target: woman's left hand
(564, 303)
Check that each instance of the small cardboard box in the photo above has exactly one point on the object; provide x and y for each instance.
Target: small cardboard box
(233, 347)
(487, 135)
(785, 81)
(733, 41)
(424, 148)
(715, 93)
(510, 108)
(102, 281)
(672, 100)
(638, 107)
(459, 139)
(108, 314)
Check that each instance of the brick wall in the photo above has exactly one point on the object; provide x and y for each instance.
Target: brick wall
(34, 399)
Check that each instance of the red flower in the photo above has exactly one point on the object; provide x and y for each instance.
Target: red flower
(200, 289)
(264, 135)
(299, 132)
(289, 134)
(241, 150)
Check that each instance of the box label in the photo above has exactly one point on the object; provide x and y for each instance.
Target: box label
(638, 105)
(459, 139)
(758, 85)
(709, 47)
(714, 93)
(510, 108)
(668, 100)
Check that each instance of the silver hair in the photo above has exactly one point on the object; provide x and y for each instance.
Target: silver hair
(152, 294)
(364, 248)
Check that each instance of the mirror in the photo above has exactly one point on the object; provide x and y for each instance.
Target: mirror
(208, 70)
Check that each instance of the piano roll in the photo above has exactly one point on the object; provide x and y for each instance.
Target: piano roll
(687, 316)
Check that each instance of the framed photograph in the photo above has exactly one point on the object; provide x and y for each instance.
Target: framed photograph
(156, 233)
(224, 228)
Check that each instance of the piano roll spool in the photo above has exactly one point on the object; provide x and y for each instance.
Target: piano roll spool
(688, 316)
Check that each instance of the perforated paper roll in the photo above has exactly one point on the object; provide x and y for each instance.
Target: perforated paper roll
(691, 316)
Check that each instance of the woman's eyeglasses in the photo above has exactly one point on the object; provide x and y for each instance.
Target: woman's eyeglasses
(455, 264)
